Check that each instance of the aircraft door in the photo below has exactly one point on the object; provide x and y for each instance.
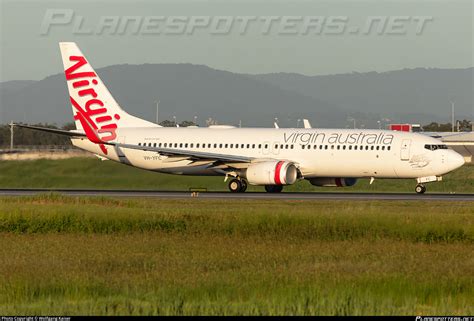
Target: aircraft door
(121, 155)
(405, 150)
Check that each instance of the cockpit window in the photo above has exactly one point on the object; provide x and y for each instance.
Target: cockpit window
(435, 147)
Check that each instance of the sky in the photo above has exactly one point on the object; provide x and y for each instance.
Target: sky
(306, 37)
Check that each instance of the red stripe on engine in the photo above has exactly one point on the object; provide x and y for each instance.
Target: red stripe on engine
(338, 182)
(277, 172)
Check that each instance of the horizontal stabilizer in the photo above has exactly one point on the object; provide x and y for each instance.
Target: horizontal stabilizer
(52, 130)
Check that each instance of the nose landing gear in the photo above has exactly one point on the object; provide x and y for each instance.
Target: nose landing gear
(420, 189)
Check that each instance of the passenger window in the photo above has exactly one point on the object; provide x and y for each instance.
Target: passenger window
(309, 146)
(366, 147)
(383, 147)
(302, 146)
(350, 147)
(388, 148)
(332, 146)
(248, 145)
(186, 145)
(291, 146)
(338, 147)
(266, 145)
(355, 147)
(259, 146)
(344, 147)
(286, 146)
(231, 145)
(220, 145)
(371, 147)
(139, 144)
(325, 147)
(226, 145)
(253, 145)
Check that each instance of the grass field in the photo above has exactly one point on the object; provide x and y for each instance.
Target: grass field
(68, 255)
(92, 173)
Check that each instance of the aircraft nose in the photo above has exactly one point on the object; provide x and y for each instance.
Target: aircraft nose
(455, 160)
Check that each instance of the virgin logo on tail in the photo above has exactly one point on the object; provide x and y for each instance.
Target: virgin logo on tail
(98, 125)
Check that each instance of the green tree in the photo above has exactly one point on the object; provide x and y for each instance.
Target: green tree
(464, 125)
(168, 123)
(187, 123)
(25, 136)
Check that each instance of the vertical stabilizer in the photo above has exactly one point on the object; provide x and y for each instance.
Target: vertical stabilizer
(95, 110)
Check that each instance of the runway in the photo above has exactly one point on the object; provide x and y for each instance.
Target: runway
(248, 195)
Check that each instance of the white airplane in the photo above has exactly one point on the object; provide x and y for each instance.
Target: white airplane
(270, 157)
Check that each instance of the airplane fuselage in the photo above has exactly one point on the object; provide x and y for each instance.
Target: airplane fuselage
(316, 152)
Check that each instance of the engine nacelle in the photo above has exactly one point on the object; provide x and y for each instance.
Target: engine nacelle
(333, 181)
(272, 173)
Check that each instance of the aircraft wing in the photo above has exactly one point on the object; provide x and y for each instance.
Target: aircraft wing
(443, 135)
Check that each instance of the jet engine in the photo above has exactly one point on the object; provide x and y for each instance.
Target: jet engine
(272, 173)
(333, 181)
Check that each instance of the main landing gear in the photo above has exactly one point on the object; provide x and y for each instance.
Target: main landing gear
(238, 185)
(420, 189)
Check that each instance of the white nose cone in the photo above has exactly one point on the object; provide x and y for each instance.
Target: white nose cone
(455, 160)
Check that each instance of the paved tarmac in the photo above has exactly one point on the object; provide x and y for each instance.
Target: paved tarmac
(247, 195)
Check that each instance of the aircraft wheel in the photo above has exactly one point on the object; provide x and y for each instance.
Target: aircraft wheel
(235, 186)
(420, 189)
(273, 188)
(244, 185)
